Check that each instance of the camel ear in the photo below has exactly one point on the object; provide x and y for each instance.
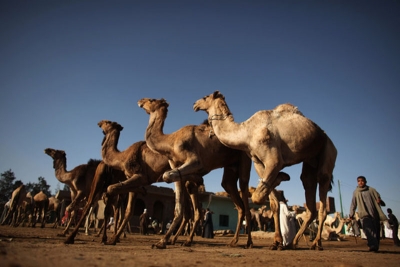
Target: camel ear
(217, 94)
(165, 102)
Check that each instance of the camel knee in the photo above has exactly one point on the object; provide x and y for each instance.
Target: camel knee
(111, 190)
(171, 176)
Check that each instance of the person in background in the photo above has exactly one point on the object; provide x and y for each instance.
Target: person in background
(287, 220)
(367, 201)
(144, 223)
(208, 225)
(394, 224)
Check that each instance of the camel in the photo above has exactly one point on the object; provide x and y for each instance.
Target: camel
(330, 232)
(330, 220)
(40, 209)
(194, 150)
(27, 208)
(55, 205)
(14, 212)
(275, 139)
(255, 222)
(95, 177)
(260, 218)
(266, 217)
(79, 181)
(142, 167)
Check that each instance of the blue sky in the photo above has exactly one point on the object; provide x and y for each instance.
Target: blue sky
(66, 65)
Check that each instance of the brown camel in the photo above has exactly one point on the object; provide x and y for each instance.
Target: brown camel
(275, 139)
(142, 167)
(40, 209)
(255, 223)
(79, 181)
(194, 150)
(103, 176)
(14, 212)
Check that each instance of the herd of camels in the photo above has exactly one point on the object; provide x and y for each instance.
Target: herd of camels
(271, 139)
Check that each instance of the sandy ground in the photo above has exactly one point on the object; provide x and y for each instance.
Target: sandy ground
(24, 246)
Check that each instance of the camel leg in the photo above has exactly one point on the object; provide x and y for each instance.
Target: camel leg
(185, 220)
(87, 222)
(323, 191)
(274, 203)
(309, 180)
(98, 182)
(128, 214)
(178, 216)
(193, 191)
(229, 181)
(190, 195)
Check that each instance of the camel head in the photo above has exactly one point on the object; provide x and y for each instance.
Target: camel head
(108, 126)
(265, 187)
(54, 153)
(212, 104)
(150, 105)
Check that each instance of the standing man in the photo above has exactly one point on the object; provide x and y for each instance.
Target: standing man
(394, 224)
(144, 223)
(208, 225)
(367, 201)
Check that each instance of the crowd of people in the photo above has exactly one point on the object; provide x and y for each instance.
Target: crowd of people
(366, 201)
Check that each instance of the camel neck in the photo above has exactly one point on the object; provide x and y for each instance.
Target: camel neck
(154, 131)
(60, 167)
(109, 148)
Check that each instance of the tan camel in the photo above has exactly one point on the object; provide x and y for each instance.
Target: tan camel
(142, 167)
(192, 150)
(14, 212)
(330, 220)
(55, 205)
(79, 181)
(40, 209)
(27, 210)
(332, 233)
(266, 217)
(275, 139)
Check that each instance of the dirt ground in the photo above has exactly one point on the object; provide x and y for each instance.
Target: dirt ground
(24, 246)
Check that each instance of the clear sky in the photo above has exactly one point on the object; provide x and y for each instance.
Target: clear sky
(66, 65)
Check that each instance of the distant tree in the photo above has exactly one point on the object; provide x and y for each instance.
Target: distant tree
(7, 185)
(35, 188)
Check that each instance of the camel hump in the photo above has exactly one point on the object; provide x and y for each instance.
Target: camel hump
(286, 108)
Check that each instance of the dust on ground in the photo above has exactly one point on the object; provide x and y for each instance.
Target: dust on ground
(23, 246)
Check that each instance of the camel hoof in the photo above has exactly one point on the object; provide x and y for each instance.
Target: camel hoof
(69, 241)
(186, 244)
(273, 247)
(159, 246)
(249, 245)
